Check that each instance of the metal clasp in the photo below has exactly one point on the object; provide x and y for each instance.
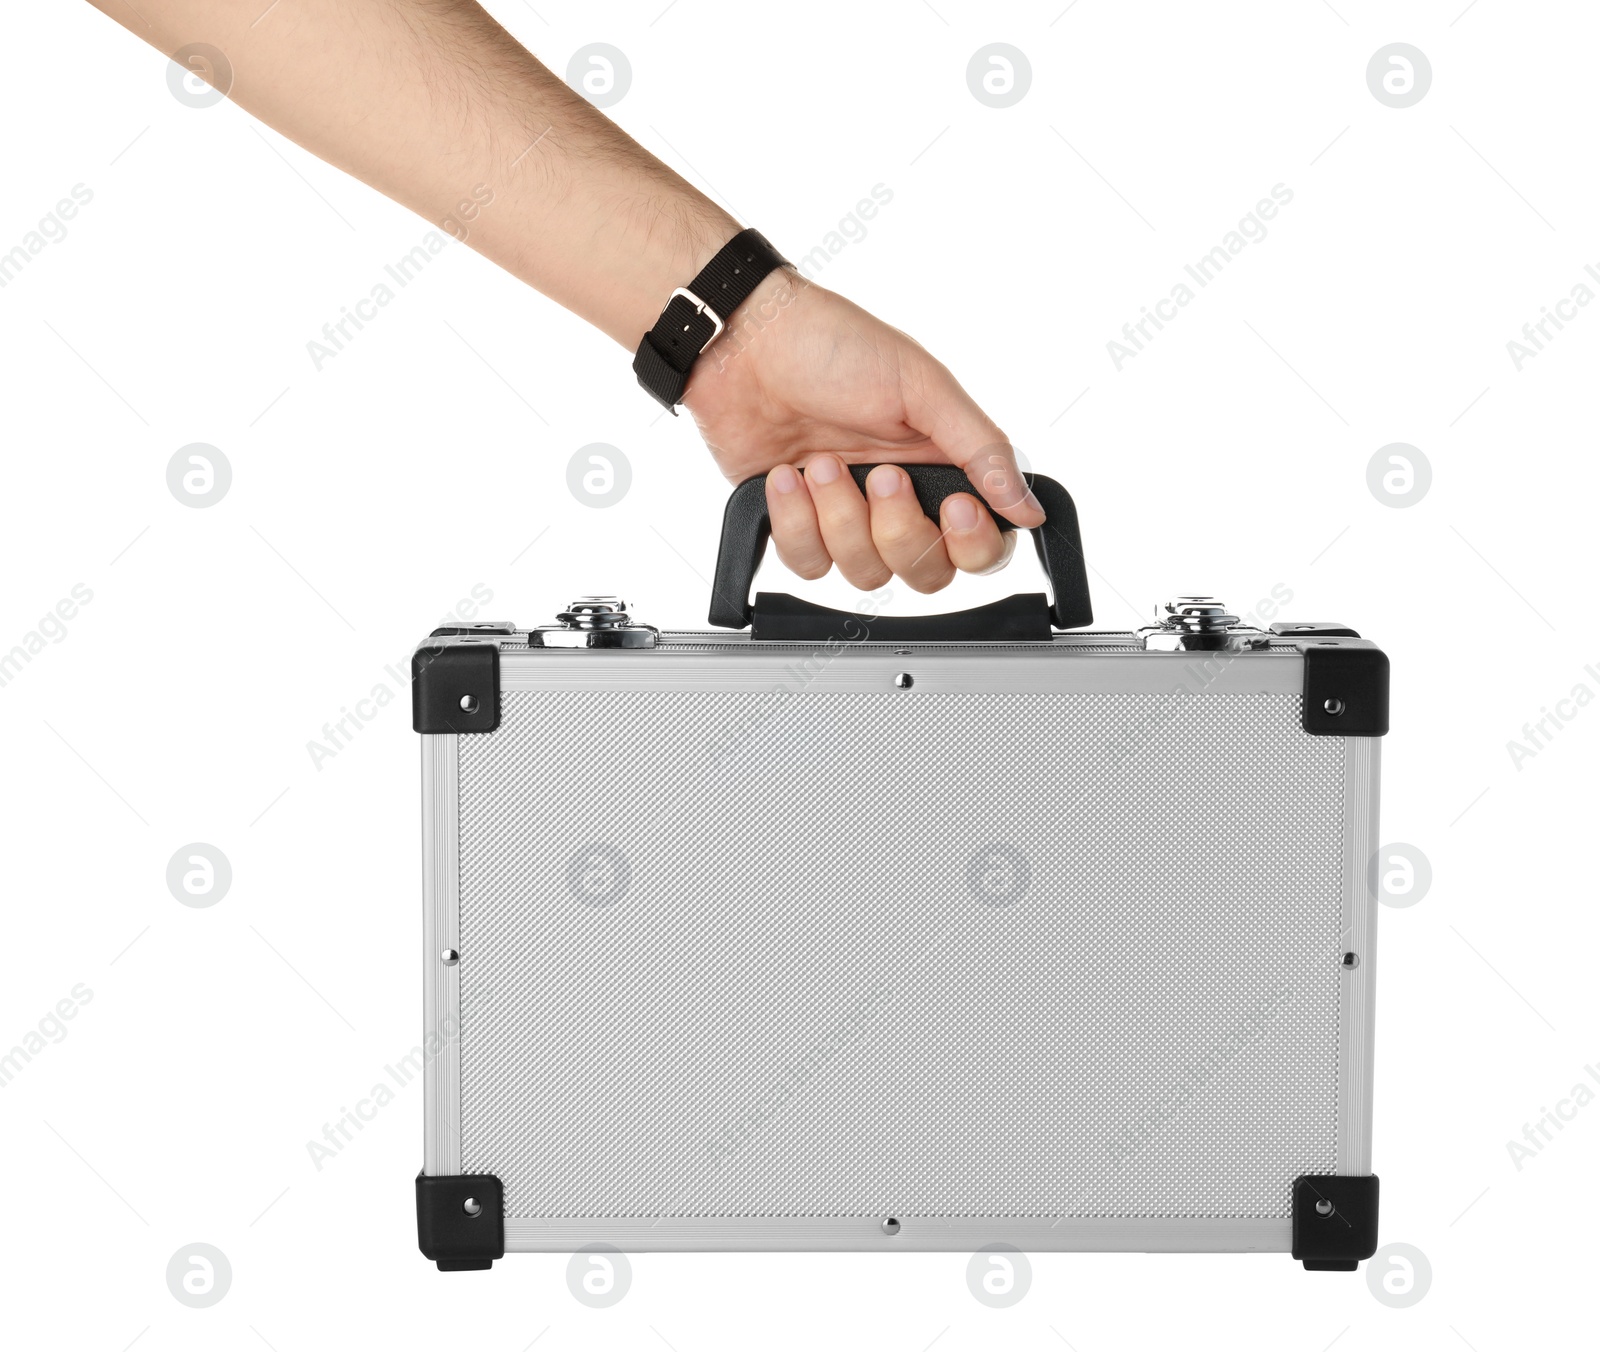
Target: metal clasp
(1199, 623)
(700, 308)
(594, 622)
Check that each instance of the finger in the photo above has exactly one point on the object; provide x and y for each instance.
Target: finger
(971, 538)
(842, 518)
(995, 474)
(794, 524)
(906, 540)
(941, 410)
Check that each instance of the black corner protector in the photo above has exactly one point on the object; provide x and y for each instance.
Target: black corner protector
(502, 627)
(1346, 688)
(455, 686)
(1335, 1220)
(461, 1220)
(1313, 629)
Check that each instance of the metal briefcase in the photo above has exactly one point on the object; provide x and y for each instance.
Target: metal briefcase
(861, 932)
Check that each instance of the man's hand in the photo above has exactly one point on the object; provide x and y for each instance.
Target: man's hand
(803, 379)
(431, 100)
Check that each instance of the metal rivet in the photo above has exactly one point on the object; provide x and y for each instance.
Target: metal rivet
(449, 957)
(472, 1206)
(902, 652)
(890, 1226)
(469, 704)
(1333, 707)
(1351, 961)
(903, 681)
(1324, 1207)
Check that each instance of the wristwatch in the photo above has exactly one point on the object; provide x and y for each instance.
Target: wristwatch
(697, 313)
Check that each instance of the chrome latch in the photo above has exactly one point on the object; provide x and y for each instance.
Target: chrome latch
(1199, 624)
(594, 622)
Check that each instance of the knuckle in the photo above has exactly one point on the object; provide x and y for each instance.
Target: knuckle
(811, 568)
(841, 514)
(864, 576)
(928, 580)
(896, 531)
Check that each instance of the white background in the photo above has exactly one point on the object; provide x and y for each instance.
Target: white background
(370, 497)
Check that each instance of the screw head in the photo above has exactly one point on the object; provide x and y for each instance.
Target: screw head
(1333, 707)
(1350, 961)
(472, 1206)
(449, 957)
(469, 704)
(890, 1226)
(1324, 1207)
(903, 680)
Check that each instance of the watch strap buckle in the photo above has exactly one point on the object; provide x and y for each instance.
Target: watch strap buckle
(688, 325)
(702, 309)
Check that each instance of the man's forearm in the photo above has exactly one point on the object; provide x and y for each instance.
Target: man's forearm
(434, 104)
(426, 100)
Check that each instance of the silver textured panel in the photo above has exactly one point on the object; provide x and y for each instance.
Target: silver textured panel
(934, 955)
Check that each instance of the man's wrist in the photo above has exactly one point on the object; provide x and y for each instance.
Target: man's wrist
(697, 313)
(777, 292)
(676, 256)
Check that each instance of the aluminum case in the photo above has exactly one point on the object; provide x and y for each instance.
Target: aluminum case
(865, 945)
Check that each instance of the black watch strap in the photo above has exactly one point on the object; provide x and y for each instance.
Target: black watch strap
(697, 313)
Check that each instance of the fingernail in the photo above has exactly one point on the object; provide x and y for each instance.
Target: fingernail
(783, 479)
(1034, 503)
(884, 481)
(824, 469)
(961, 513)
(1008, 547)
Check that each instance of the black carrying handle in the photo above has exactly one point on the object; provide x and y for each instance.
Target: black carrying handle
(746, 528)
